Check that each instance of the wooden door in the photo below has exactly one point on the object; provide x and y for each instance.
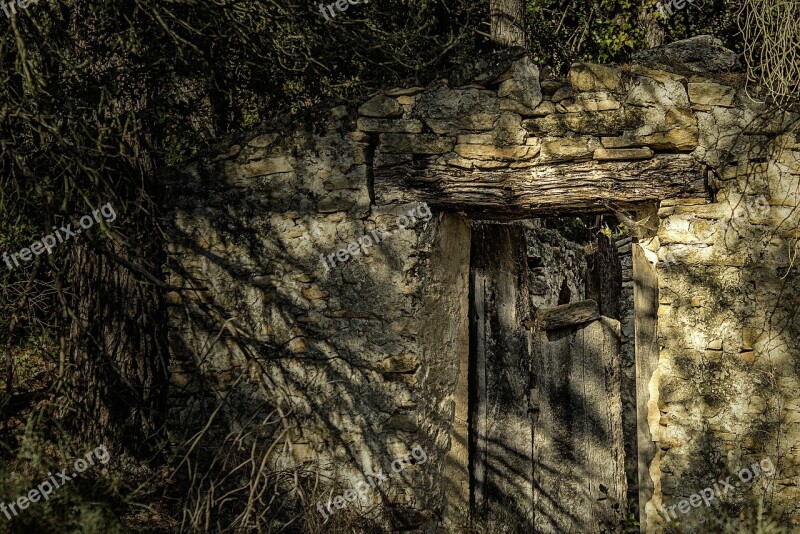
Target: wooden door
(500, 424)
(546, 446)
(579, 480)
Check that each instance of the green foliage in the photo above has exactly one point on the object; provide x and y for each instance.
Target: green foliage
(572, 228)
(609, 31)
(618, 32)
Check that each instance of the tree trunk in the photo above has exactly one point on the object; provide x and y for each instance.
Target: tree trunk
(508, 22)
(117, 348)
(117, 336)
(653, 29)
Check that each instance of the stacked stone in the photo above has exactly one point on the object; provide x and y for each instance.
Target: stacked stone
(355, 354)
(270, 325)
(525, 122)
(553, 262)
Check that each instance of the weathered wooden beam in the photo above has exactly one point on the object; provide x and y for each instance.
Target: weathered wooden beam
(564, 315)
(591, 186)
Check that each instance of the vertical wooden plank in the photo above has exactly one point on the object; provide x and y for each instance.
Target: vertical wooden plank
(578, 443)
(604, 276)
(444, 339)
(509, 458)
(645, 297)
(554, 482)
(479, 419)
(503, 445)
(603, 433)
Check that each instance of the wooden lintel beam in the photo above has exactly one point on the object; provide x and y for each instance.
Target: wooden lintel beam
(590, 186)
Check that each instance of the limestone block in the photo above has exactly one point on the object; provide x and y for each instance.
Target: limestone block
(647, 91)
(551, 85)
(703, 53)
(263, 167)
(676, 139)
(601, 122)
(405, 363)
(562, 93)
(355, 179)
(297, 231)
(682, 117)
(594, 77)
(572, 149)
(624, 141)
(312, 293)
(405, 91)
(298, 345)
(473, 122)
(332, 204)
(544, 109)
(303, 453)
(381, 106)
(758, 118)
(509, 104)
(366, 124)
(446, 103)
(509, 130)
(749, 337)
(403, 422)
(463, 163)
(599, 101)
(263, 141)
(491, 152)
(416, 143)
(524, 83)
(789, 158)
(622, 153)
(711, 94)
(682, 202)
(476, 139)
(552, 125)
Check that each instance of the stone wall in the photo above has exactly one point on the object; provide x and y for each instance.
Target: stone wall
(556, 267)
(368, 357)
(337, 349)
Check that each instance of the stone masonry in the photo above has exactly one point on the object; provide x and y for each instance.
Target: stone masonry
(368, 358)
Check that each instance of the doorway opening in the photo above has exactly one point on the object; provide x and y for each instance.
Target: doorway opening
(553, 413)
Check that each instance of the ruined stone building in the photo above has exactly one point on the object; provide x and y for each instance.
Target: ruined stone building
(578, 296)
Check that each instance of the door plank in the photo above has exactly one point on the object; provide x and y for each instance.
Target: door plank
(480, 420)
(578, 434)
(503, 464)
